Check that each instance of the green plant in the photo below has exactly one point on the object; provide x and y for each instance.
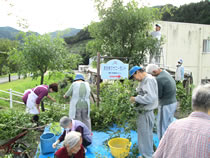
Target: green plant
(184, 98)
(7, 156)
(123, 30)
(13, 123)
(115, 106)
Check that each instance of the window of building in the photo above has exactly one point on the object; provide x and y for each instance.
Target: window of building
(205, 81)
(206, 46)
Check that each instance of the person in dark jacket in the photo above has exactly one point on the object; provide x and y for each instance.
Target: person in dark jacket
(74, 125)
(167, 98)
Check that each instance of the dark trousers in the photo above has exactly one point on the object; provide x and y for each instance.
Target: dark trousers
(35, 118)
(85, 143)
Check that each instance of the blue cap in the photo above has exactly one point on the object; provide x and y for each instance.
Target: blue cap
(133, 70)
(79, 77)
(180, 61)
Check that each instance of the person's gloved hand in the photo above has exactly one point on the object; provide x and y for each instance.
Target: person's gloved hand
(54, 145)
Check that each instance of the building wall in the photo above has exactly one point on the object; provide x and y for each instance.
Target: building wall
(185, 40)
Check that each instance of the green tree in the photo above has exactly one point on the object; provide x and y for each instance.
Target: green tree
(123, 30)
(72, 61)
(190, 13)
(40, 53)
(77, 44)
(7, 66)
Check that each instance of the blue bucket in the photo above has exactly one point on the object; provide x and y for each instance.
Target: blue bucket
(46, 141)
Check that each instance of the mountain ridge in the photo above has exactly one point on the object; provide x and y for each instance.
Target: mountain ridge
(8, 32)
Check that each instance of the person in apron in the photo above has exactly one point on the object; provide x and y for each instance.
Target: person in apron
(80, 100)
(32, 98)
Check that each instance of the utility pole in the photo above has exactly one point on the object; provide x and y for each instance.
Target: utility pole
(98, 78)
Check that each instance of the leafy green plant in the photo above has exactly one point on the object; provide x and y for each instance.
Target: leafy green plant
(115, 106)
(13, 123)
(184, 98)
(122, 30)
(55, 128)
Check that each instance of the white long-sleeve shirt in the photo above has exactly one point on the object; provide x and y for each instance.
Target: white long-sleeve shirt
(147, 93)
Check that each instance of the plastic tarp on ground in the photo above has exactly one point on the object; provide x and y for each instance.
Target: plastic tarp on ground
(97, 148)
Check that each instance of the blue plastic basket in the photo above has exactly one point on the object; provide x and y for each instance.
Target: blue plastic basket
(46, 141)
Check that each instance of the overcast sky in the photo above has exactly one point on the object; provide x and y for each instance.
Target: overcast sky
(44, 16)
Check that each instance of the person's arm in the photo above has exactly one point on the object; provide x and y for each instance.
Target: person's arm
(37, 106)
(41, 96)
(182, 73)
(51, 98)
(61, 138)
(150, 93)
(80, 129)
(165, 142)
(56, 143)
(160, 89)
(69, 92)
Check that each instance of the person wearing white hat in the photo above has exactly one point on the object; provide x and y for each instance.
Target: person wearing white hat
(157, 33)
(179, 74)
(154, 56)
(167, 98)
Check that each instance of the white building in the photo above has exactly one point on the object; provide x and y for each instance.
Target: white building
(190, 42)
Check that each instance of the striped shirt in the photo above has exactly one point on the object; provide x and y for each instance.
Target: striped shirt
(186, 138)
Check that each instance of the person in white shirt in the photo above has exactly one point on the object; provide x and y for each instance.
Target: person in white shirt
(179, 75)
(155, 56)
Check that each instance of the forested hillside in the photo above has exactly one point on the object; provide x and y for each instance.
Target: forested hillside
(65, 33)
(77, 44)
(8, 32)
(189, 13)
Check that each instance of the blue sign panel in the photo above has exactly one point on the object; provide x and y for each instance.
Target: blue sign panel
(114, 69)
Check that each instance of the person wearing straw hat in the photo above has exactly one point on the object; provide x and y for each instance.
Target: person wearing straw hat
(80, 100)
(146, 101)
(72, 146)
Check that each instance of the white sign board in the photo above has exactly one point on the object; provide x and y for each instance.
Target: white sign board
(114, 69)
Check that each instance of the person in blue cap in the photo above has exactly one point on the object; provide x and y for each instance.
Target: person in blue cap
(80, 100)
(146, 101)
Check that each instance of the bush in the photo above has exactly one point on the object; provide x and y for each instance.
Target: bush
(115, 106)
(184, 98)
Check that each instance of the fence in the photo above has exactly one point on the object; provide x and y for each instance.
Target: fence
(15, 93)
(11, 93)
